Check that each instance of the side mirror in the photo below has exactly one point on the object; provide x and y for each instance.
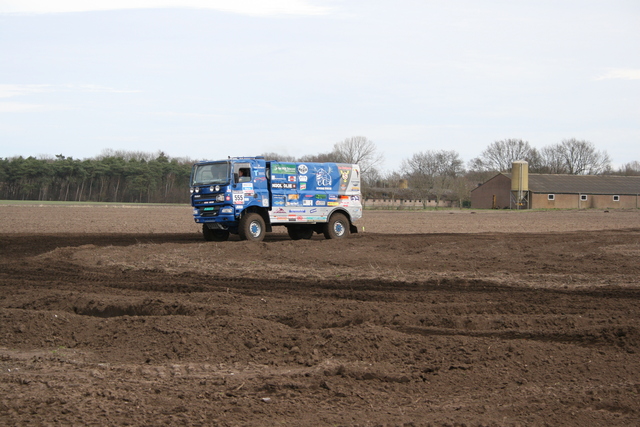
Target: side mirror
(236, 177)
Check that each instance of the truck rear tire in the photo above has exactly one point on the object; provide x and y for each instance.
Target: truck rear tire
(214, 235)
(252, 227)
(297, 232)
(337, 227)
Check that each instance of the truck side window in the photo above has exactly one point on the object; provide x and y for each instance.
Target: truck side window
(244, 174)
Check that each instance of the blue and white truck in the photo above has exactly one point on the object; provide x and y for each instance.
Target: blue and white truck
(248, 196)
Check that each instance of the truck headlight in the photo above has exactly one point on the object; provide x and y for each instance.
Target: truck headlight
(227, 211)
(220, 198)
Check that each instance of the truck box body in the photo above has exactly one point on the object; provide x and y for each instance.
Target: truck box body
(282, 193)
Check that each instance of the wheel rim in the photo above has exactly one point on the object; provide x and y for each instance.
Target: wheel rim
(255, 229)
(338, 228)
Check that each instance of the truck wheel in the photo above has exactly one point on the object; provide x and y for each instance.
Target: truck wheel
(305, 232)
(214, 235)
(292, 230)
(337, 227)
(252, 227)
(297, 232)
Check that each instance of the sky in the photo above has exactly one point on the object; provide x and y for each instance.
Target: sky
(208, 79)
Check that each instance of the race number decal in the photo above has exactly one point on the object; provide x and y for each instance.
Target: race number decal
(238, 198)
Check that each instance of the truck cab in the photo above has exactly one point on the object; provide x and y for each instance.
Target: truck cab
(248, 196)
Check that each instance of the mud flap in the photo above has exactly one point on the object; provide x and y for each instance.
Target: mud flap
(353, 229)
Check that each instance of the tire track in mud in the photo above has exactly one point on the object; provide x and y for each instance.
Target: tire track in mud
(482, 304)
(61, 273)
(627, 338)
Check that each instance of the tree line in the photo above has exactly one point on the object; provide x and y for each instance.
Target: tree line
(112, 177)
(121, 176)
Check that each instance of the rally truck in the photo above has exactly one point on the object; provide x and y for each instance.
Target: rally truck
(248, 196)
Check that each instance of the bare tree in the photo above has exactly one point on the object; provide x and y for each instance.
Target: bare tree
(630, 169)
(321, 158)
(576, 158)
(434, 173)
(358, 150)
(500, 155)
(552, 160)
(279, 157)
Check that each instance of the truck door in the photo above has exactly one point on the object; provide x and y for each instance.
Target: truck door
(242, 187)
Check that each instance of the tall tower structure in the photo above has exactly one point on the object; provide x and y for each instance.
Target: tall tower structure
(520, 184)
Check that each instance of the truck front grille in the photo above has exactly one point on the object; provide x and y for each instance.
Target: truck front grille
(212, 211)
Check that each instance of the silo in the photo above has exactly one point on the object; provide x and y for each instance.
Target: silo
(520, 183)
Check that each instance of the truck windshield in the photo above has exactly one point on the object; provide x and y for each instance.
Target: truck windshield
(211, 173)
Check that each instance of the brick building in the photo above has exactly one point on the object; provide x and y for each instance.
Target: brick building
(547, 191)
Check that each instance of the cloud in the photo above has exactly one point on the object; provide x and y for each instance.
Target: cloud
(9, 91)
(98, 88)
(16, 107)
(245, 7)
(621, 74)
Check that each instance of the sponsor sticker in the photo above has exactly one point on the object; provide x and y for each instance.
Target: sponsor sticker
(303, 169)
(323, 180)
(303, 178)
(307, 203)
(284, 185)
(285, 169)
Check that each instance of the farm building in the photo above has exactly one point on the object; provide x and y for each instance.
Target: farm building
(522, 190)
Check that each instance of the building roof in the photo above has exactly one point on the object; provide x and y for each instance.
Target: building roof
(585, 184)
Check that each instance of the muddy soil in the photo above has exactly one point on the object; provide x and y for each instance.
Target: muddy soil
(115, 316)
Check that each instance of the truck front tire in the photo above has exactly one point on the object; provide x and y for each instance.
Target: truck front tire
(337, 227)
(214, 235)
(252, 227)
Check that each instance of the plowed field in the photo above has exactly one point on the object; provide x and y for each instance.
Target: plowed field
(126, 316)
